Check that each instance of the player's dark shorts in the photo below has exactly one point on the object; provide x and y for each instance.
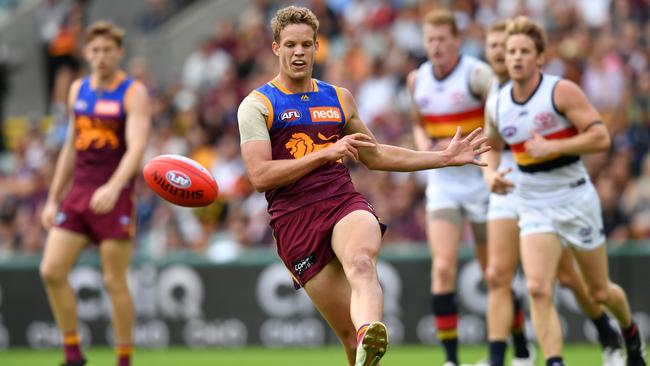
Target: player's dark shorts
(304, 237)
(75, 215)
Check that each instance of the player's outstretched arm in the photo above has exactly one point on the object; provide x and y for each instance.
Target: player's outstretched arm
(64, 165)
(138, 124)
(592, 134)
(461, 150)
(263, 171)
(266, 173)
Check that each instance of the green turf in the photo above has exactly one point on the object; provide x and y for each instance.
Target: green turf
(575, 355)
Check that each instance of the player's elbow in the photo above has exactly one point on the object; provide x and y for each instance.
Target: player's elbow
(602, 141)
(259, 182)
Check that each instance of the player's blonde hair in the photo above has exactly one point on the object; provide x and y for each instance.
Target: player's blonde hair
(104, 28)
(442, 17)
(524, 25)
(293, 15)
(498, 26)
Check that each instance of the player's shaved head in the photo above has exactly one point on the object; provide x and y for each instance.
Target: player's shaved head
(293, 15)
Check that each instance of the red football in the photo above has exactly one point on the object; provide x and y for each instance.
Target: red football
(180, 180)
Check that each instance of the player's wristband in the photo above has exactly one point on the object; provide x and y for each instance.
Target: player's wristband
(592, 124)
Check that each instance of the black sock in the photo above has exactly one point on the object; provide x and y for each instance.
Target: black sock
(607, 336)
(518, 332)
(632, 341)
(497, 353)
(445, 310)
(554, 361)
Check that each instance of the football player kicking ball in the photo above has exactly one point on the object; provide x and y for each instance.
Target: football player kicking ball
(503, 242)
(106, 138)
(548, 123)
(295, 131)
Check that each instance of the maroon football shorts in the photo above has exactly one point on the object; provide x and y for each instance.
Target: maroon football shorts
(304, 236)
(75, 215)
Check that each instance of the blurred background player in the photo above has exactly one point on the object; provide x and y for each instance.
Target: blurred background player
(295, 131)
(449, 90)
(549, 123)
(503, 241)
(107, 134)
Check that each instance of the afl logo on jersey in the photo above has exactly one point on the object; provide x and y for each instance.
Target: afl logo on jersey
(178, 179)
(509, 131)
(290, 115)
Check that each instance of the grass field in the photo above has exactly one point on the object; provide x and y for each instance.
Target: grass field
(575, 355)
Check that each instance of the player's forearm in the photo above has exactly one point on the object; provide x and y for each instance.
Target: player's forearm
(593, 141)
(422, 141)
(399, 159)
(62, 173)
(272, 174)
(129, 165)
(493, 159)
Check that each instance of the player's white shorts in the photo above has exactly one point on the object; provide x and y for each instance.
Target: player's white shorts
(578, 223)
(502, 206)
(459, 188)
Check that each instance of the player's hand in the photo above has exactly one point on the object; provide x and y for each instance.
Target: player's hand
(466, 150)
(497, 183)
(348, 147)
(538, 146)
(103, 199)
(48, 215)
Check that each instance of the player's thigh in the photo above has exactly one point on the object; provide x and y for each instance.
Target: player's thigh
(502, 248)
(357, 233)
(330, 292)
(115, 258)
(567, 273)
(540, 256)
(593, 266)
(444, 231)
(62, 248)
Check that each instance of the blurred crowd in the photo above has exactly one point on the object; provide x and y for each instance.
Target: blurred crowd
(367, 46)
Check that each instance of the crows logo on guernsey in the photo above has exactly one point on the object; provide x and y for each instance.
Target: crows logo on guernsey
(290, 115)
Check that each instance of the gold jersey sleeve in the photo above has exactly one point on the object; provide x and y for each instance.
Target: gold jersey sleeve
(251, 117)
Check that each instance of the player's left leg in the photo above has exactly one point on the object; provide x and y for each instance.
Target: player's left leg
(608, 337)
(594, 267)
(356, 241)
(330, 292)
(115, 258)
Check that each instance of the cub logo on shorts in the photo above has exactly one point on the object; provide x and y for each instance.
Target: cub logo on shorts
(325, 114)
(290, 115)
(301, 265)
(178, 179)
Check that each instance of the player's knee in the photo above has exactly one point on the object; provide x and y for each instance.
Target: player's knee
(599, 294)
(444, 271)
(540, 291)
(51, 276)
(114, 283)
(362, 265)
(496, 278)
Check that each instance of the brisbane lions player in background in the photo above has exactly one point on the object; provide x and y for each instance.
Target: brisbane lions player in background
(107, 134)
